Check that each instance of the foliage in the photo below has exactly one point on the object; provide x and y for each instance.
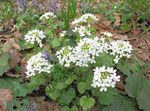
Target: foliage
(6, 11)
(70, 13)
(4, 63)
(71, 86)
(131, 12)
(87, 102)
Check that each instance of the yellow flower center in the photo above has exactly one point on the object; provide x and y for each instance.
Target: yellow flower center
(120, 45)
(104, 75)
(65, 52)
(85, 47)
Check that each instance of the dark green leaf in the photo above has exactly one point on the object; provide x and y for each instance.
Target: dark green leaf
(60, 85)
(104, 59)
(4, 63)
(133, 85)
(143, 97)
(66, 108)
(108, 97)
(122, 104)
(67, 96)
(129, 68)
(18, 105)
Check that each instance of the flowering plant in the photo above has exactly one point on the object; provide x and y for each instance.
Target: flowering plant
(72, 64)
(81, 65)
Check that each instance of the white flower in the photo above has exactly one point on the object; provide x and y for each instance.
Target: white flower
(47, 15)
(64, 56)
(104, 77)
(63, 33)
(82, 30)
(120, 49)
(107, 34)
(85, 51)
(88, 17)
(104, 46)
(35, 36)
(37, 65)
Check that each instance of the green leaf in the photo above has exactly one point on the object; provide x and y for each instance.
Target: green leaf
(66, 108)
(146, 67)
(108, 97)
(87, 102)
(82, 87)
(19, 89)
(60, 85)
(122, 104)
(69, 80)
(52, 93)
(143, 97)
(129, 68)
(67, 96)
(133, 85)
(55, 43)
(15, 86)
(25, 45)
(5, 83)
(4, 63)
(105, 59)
(36, 81)
(18, 103)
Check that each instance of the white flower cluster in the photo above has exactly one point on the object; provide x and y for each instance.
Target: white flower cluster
(64, 56)
(85, 51)
(104, 77)
(82, 30)
(82, 54)
(88, 17)
(35, 36)
(37, 65)
(120, 49)
(47, 16)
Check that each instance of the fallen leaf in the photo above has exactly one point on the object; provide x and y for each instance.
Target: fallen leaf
(5, 96)
(117, 20)
(42, 105)
(23, 66)
(15, 58)
(120, 37)
(3, 104)
(11, 43)
(120, 85)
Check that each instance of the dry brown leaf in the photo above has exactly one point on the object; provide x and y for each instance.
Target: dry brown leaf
(117, 20)
(11, 43)
(3, 104)
(5, 96)
(15, 58)
(42, 105)
(102, 24)
(144, 56)
(143, 47)
(120, 85)
(23, 66)
(120, 37)
(47, 106)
